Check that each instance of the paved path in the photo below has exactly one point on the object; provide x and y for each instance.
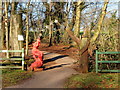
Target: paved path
(58, 69)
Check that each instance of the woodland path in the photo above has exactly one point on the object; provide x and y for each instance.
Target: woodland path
(57, 69)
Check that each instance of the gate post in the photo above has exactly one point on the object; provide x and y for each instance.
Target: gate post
(22, 58)
(96, 61)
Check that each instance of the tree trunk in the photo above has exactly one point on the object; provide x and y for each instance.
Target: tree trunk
(34, 33)
(6, 27)
(15, 30)
(103, 13)
(65, 34)
(77, 20)
(97, 31)
(65, 38)
(50, 35)
(83, 62)
(50, 26)
(3, 33)
(1, 29)
(27, 34)
(84, 43)
(27, 29)
(83, 51)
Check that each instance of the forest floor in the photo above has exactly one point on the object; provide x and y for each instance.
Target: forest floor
(60, 63)
(58, 68)
(61, 49)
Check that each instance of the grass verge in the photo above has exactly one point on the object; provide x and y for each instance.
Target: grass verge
(93, 80)
(12, 76)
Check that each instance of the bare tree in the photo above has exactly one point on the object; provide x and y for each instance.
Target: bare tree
(85, 42)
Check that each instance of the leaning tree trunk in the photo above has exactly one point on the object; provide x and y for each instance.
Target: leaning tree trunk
(77, 20)
(85, 42)
(97, 31)
(103, 13)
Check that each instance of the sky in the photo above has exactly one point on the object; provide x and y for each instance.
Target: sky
(112, 6)
(59, 0)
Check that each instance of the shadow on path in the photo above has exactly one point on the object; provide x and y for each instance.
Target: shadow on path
(51, 64)
(61, 65)
(47, 53)
(54, 58)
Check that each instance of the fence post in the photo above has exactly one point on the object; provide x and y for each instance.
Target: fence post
(22, 58)
(96, 61)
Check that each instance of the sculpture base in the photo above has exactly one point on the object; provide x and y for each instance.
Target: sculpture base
(38, 69)
(35, 69)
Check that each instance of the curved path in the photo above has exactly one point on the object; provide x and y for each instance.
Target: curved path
(57, 70)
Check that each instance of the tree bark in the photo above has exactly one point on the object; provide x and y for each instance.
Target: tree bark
(15, 30)
(27, 29)
(78, 19)
(50, 26)
(100, 21)
(97, 31)
(84, 43)
(65, 34)
(71, 34)
(6, 27)
(1, 29)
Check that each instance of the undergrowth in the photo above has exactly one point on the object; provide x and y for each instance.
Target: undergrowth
(93, 80)
(12, 76)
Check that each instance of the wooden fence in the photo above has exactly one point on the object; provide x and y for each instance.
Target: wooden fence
(98, 61)
(19, 58)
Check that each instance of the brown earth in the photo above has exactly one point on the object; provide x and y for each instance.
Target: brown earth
(68, 50)
(61, 49)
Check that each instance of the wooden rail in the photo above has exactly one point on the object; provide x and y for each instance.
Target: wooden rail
(97, 61)
(20, 58)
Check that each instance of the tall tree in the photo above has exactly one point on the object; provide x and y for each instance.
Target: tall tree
(27, 27)
(50, 24)
(65, 34)
(78, 17)
(15, 29)
(6, 26)
(85, 42)
(1, 29)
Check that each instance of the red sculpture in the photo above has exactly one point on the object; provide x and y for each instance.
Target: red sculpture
(37, 55)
